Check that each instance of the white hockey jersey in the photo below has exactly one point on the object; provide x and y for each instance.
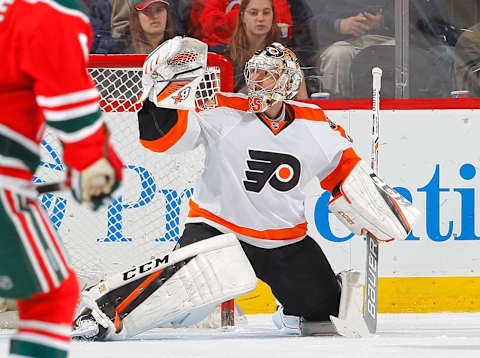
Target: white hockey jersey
(256, 169)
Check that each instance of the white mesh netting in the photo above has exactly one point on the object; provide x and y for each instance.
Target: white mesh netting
(148, 216)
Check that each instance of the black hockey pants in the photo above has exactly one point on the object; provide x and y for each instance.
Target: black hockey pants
(299, 274)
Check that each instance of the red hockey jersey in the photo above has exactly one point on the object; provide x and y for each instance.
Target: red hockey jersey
(44, 80)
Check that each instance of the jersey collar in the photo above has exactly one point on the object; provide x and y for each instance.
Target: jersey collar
(278, 125)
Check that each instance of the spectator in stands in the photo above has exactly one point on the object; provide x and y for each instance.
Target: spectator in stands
(123, 14)
(349, 26)
(302, 41)
(150, 25)
(256, 27)
(98, 12)
(214, 21)
(344, 29)
(119, 17)
(467, 61)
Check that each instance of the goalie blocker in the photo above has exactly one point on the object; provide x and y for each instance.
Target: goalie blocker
(364, 203)
(181, 287)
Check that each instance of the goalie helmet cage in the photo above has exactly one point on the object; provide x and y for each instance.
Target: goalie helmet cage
(148, 217)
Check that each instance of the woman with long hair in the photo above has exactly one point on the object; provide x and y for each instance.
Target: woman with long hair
(256, 28)
(150, 25)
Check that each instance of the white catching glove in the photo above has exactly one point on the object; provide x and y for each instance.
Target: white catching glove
(173, 71)
(367, 204)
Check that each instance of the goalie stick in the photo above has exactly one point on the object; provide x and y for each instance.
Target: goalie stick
(371, 266)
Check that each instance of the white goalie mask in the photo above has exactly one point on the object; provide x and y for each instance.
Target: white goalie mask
(271, 75)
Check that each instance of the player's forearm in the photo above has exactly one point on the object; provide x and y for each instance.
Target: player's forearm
(164, 130)
(154, 122)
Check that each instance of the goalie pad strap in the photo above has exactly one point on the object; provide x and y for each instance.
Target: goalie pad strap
(367, 204)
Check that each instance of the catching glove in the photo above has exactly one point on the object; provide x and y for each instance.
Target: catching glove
(173, 71)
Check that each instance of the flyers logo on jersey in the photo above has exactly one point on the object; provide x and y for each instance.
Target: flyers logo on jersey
(281, 171)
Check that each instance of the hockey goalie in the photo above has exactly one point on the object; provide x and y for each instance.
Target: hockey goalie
(246, 217)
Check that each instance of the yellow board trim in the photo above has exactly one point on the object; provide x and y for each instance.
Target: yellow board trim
(396, 295)
(260, 300)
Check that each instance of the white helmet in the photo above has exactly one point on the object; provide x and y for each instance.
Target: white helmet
(276, 62)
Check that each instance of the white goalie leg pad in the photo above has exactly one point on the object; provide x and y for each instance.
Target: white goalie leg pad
(367, 204)
(350, 322)
(211, 271)
(193, 317)
(218, 272)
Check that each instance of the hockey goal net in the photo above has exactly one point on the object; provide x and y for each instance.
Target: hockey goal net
(148, 217)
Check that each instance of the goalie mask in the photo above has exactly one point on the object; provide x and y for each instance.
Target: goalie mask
(272, 75)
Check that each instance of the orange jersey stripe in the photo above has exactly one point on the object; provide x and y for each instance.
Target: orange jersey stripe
(345, 166)
(235, 102)
(312, 114)
(292, 233)
(309, 114)
(172, 137)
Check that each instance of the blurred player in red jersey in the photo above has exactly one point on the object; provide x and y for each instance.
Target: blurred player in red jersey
(44, 46)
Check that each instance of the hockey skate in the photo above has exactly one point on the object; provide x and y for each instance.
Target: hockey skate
(290, 324)
(301, 326)
(349, 323)
(85, 328)
(91, 323)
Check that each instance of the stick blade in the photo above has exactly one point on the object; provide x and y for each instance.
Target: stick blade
(349, 329)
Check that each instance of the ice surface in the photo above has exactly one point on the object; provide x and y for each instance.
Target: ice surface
(399, 335)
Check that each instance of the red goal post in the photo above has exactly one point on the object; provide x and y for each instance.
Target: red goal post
(127, 102)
